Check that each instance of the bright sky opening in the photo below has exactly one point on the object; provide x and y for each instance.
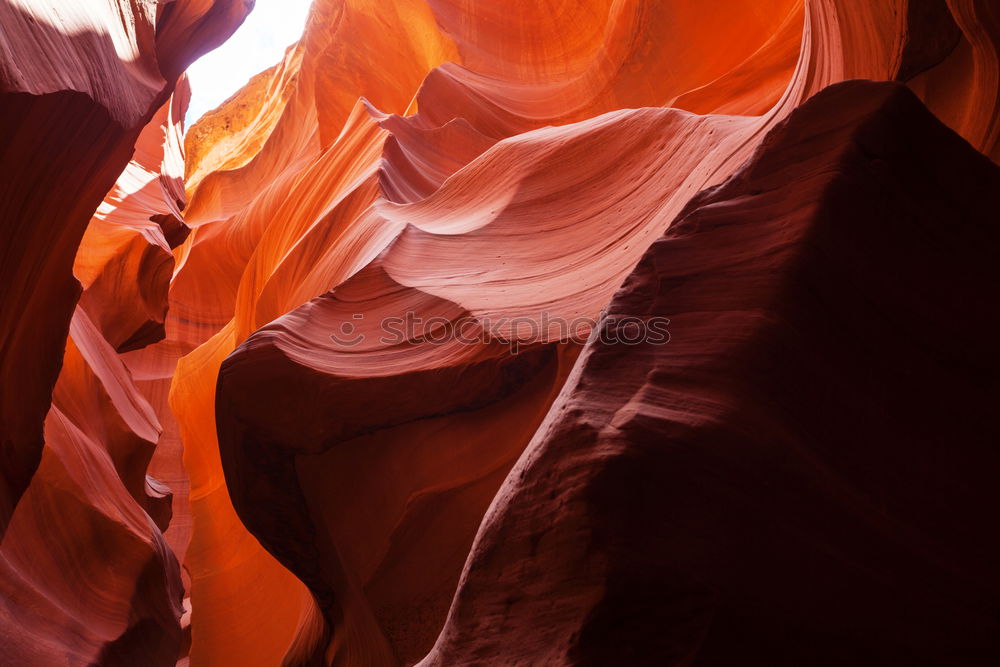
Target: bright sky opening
(258, 44)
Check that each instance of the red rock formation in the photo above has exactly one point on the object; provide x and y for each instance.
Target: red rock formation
(128, 243)
(230, 398)
(306, 207)
(802, 475)
(467, 241)
(85, 572)
(79, 82)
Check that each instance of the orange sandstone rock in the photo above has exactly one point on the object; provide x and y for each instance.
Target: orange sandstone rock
(547, 220)
(343, 492)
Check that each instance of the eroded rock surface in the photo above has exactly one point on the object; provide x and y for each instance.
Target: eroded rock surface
(196, 366)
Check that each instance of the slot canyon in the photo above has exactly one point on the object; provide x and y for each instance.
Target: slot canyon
(502, 332)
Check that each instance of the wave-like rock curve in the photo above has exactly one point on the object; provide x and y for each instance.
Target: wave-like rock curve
(320, 382)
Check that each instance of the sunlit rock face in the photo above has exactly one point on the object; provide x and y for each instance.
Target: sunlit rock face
(216, 452)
